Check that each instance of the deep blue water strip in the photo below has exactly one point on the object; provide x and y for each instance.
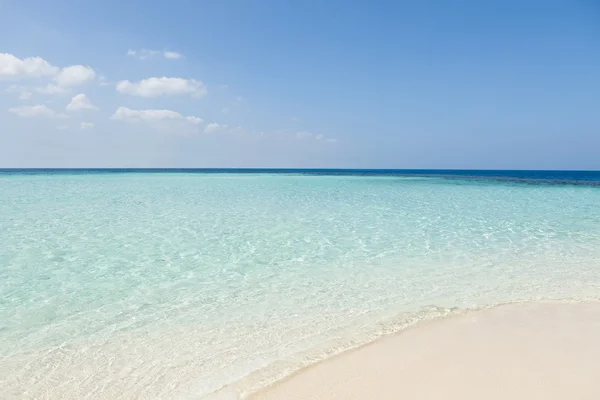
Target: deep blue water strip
(524, 176)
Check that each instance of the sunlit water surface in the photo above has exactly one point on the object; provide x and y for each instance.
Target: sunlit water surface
(180, 285)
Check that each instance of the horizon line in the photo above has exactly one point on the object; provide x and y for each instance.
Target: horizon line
(288, 169)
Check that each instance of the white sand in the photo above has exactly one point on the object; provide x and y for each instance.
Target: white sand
(521, 351)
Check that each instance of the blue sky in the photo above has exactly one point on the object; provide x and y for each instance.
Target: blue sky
(356, 84)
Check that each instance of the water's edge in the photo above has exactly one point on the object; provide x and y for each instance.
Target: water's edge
(282, 370)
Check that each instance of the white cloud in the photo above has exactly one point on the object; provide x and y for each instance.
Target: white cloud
(37, 111)
(75, 75)
(87, 125)
(172, 55)
(213, 127)
(155, 87)
(124, 113)
(194, 120)
(11, 66)
(52, 88)
(153, 116)
(145, 54)
(80, 102)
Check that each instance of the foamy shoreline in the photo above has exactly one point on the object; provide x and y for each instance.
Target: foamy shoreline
(522, 351)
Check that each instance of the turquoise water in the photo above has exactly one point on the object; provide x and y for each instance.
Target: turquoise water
(180, 285)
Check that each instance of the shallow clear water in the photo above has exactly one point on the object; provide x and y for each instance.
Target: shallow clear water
(164, 285)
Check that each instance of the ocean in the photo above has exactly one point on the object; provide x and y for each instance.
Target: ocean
(187, 284)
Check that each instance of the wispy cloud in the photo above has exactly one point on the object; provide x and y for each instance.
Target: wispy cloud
(214, 127)
(37, 111)
(152, 117)
(320, 137)
(142, 54)
(172, 55)
(24, 93)
(52, 88)
(145, 54)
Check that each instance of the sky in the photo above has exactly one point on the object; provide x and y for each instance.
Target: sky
(300, 84)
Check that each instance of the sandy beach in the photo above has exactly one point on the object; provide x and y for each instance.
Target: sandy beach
(546, 350)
